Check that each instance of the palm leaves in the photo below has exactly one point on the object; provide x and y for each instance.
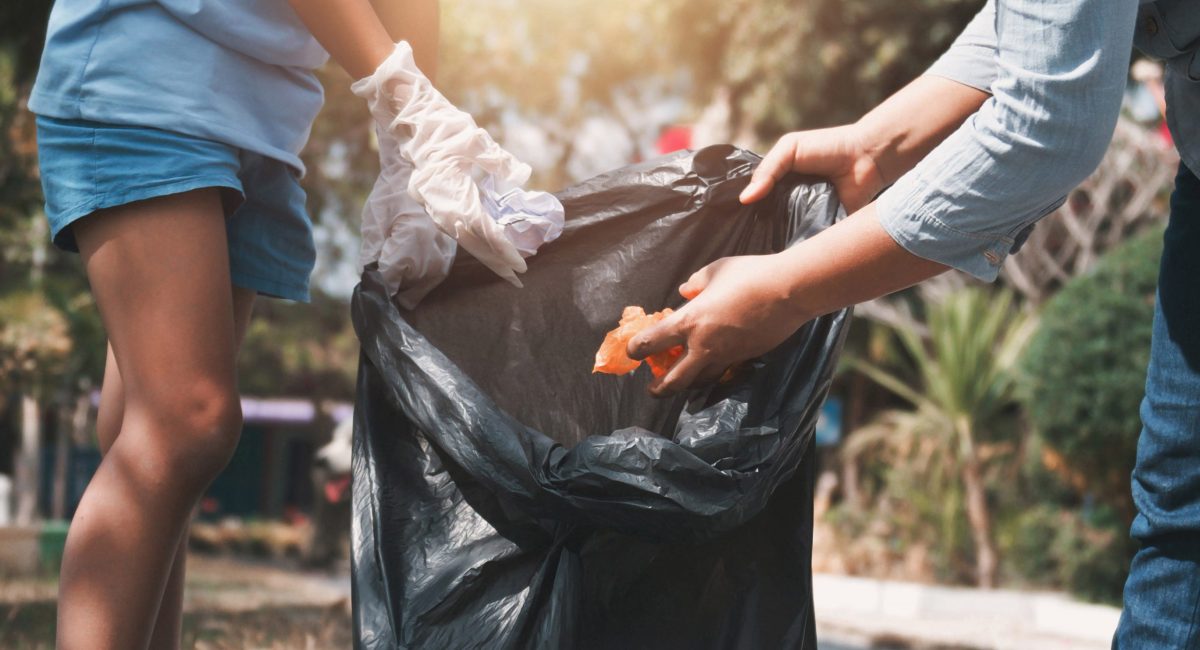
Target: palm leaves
(963, 380)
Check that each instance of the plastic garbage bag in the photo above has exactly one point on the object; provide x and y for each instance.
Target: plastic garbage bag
(506, 497)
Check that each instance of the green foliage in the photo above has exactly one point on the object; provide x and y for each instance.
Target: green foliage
(808, 64)
(299, 350)
(1085, 373)
(1028, 542)
(1095, 553)
(1088, 556)
(1086, 367)
(22, 33)
(20, 192)
(43, 290)
(22, 30)
(962, 389)
(34, 341)
(963, 377)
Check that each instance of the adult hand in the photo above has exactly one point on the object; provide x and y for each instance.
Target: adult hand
(743, 307)
(739, 308)
(838, 154)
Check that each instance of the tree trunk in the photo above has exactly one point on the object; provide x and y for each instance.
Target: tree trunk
(62, 451)
(27, 482)
(981, 522)
(854, 417)
(58, 481)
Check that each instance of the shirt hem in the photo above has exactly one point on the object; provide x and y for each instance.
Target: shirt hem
(993, 249)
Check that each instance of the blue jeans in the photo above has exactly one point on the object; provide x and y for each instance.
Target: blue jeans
(1162, 595)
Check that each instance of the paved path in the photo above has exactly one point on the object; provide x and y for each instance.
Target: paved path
(862, 612)
(230, 584)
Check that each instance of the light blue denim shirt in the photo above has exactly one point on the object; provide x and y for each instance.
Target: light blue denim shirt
(1056, 72)
(239, 72)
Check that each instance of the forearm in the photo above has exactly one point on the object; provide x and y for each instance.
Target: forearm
(906, 127)
(415, 21)
(853, 261)
(349, 30)
(902, 130)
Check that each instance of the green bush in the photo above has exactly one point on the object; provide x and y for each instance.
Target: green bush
(1093, 554)
(1085, 376)
(1086, 368)
(1027, 543)
(1053, 547)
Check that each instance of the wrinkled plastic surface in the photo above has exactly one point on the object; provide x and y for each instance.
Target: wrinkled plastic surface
(506, 497)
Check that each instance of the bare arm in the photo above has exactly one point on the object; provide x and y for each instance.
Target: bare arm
(863, 158)
(415, 21)
(360, 34)
(908, 125)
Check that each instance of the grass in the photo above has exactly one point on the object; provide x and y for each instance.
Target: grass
(30, 626)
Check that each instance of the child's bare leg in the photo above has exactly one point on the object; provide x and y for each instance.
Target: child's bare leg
(160, 273)
(168, 625)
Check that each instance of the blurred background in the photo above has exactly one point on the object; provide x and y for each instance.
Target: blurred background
(977, 445)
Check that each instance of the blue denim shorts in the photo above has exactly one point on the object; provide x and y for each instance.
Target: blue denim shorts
(87, 166)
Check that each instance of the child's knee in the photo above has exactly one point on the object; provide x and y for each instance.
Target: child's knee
(199, 427)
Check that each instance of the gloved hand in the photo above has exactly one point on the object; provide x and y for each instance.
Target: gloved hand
(412, 255)
(447, 149)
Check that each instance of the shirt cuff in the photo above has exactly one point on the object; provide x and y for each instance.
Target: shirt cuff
(974, 69)
(911, 219)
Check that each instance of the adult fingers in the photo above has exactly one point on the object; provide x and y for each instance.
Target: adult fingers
(682, 375)
(774, 165)
(665, 335)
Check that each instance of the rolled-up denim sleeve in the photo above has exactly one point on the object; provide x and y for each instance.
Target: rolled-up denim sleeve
(971, 59)
(1060, 69)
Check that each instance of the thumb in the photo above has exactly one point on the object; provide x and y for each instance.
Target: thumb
(773, 167)
(664, 335)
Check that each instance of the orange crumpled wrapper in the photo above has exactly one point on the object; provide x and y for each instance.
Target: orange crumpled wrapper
(611, 357)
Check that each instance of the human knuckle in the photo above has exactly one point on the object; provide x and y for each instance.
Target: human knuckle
(638, 345)
(686, 322)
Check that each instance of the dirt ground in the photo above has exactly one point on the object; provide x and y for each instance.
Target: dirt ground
(230, 604)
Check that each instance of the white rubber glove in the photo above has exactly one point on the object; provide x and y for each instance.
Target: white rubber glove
(447, 149)
(412, 255)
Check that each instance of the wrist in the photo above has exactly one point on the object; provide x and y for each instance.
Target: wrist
(375, 53)
(874, 146)
(794, 301)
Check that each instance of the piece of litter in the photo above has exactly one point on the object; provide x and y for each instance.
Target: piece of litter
(611, 357)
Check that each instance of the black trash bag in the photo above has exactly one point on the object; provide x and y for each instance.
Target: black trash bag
(505, 497)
